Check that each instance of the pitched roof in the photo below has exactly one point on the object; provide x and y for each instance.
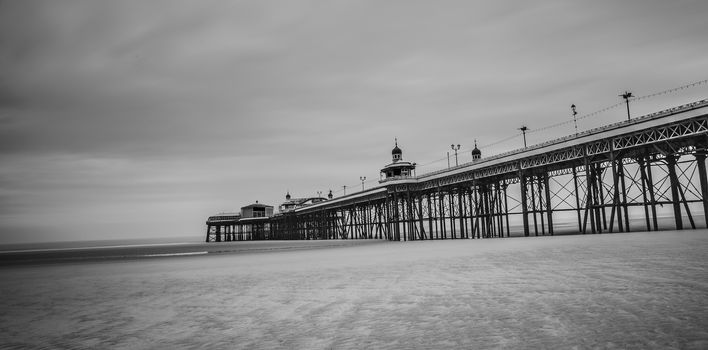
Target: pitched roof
(257, 205)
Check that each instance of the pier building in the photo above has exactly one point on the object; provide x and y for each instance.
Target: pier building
(252, 223)
(398, 168)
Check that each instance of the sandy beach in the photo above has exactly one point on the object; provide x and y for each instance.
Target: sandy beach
(629, 290)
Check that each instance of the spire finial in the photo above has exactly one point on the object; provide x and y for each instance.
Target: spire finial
(475, 143)
(396, 140)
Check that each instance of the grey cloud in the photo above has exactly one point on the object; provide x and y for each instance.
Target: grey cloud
(222, 102)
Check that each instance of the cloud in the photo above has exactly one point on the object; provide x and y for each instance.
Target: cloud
(109, 105)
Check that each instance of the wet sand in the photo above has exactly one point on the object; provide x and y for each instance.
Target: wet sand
(628, 290)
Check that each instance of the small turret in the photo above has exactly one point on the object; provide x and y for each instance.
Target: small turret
(396, 153)
(476, 153)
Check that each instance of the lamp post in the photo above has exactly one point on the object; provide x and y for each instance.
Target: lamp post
(455, 149)
(626, 96)
(575, 121)
(319, 194)
(362, 178)
(345, 190)
(523, 129)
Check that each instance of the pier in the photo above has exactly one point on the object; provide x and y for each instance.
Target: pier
(601, 179)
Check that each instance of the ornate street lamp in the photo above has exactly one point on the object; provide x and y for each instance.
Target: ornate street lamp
(575, 121)
(626, 96)
(523, 130)
(455, 149)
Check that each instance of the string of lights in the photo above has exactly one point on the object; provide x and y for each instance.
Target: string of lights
(683, 87)
(501, 141)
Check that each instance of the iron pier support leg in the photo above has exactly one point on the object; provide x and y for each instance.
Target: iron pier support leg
(207, 233)
(481, 213)
(701, 165)
(430, 217)
(451, 207)
(643, 174)
(397, 216)
(533, 204)
(625, 207)
(524, 204)
(494, 208)
(404, 217)
(469, 223)
(487, 212)
(577, 200)
(601, 197)
(411, 217)
(549, 207)
(500, 212)
(370, 225)
(474, 210)
(443, 228)
(675, 199)
(478, 210)
(652, 197)
(506, 210)
(387, 218)
(616, 203)
(589, 203)
(461, 212)
(497, 210)
(539, 179)
(421, 221)
(436, 211)
(599, 200)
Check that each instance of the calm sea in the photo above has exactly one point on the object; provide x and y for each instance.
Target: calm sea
(111, 250)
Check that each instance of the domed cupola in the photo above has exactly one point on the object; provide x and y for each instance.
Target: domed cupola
(396, 153)
(287, 196)
(476, 153)
(398, 169)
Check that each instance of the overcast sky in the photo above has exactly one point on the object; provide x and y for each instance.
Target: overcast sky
(124, 119)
